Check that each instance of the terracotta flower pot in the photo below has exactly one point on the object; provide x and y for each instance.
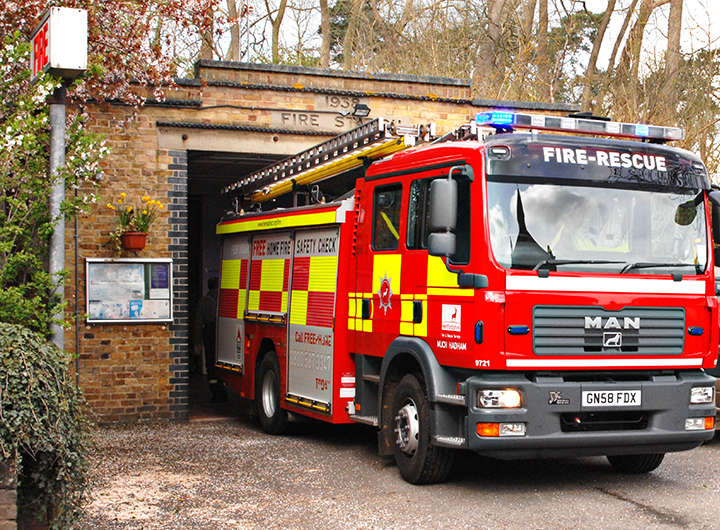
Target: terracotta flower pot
(133, 240)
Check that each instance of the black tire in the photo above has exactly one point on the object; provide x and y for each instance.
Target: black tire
(636, 464)
(267, 396)
(419, 461)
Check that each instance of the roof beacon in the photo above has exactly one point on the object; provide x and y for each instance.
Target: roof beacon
(507, 121)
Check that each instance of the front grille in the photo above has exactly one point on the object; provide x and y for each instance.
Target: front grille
(604, 421)
(562, 330)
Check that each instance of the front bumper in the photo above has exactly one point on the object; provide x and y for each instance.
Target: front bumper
(558, 425)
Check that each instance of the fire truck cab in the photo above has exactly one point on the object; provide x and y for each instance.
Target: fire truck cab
(519, 294)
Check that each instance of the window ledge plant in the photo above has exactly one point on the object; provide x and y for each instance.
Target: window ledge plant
(132, 218)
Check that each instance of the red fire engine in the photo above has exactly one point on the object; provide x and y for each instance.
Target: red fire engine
(499, 289)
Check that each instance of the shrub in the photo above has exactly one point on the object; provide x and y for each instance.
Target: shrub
(44, 425)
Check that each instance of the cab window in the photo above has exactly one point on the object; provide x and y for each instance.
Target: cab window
(386, 217)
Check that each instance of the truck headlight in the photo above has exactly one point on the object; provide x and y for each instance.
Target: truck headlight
(702, 394)
(499, 399)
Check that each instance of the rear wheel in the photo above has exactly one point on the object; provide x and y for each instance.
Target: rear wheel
(636, 464)
(267, 395)
(418, 460)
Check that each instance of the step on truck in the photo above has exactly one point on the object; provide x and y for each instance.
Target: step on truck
(523, 287)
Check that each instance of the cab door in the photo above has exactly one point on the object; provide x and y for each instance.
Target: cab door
(380, 269)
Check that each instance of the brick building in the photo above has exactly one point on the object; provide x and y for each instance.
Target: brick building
(230, 120)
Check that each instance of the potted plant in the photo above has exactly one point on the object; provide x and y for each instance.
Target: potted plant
(134, 222)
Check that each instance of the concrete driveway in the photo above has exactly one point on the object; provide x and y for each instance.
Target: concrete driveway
(219, 471)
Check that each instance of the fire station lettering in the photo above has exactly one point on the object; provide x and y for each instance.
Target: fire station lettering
(567, 155)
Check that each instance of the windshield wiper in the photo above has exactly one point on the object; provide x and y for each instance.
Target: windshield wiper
(643, 265)
(553, 261)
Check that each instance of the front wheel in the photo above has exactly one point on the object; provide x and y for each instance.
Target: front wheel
(636, 464)
(267, 395)
(418, 460)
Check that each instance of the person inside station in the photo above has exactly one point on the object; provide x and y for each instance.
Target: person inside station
(204, 338)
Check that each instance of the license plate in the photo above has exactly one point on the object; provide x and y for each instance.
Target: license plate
(611, 398)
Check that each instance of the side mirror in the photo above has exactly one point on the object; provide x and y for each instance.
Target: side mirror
(685, 213)
(441, 244)
(443, 205)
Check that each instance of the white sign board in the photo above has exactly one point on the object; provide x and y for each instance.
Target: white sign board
(128, 290)
(60, 43)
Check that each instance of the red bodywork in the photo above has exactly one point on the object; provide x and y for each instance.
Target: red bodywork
(396, 280)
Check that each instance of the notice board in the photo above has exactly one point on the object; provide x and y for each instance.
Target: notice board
(128, 290)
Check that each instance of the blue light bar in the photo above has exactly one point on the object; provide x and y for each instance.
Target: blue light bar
(642, 130)
(495, 118)
(504, 121)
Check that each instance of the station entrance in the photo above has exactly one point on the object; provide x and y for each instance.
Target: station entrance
(208, 173)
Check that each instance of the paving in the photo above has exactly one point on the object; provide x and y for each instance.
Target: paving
(220, 471)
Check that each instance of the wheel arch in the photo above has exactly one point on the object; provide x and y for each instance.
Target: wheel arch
(408, 355)
(266, 346)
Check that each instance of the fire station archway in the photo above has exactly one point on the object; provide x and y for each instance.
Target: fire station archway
(208, 173)
(207, 158)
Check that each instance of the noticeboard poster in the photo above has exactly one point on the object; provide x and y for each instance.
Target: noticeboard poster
(129, 290)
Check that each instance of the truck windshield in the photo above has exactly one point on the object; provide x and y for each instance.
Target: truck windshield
(597, 229)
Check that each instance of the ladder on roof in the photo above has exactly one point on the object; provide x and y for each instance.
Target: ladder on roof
(375, 139)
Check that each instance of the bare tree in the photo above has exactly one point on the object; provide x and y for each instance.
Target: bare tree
(351, 34)
(630, 58)
(528, 16)
(590, 75)
(233, 53)
(207, 43)
(276, 22)
(499, 15)
(325, 30)
(543, 62)
(672, 58)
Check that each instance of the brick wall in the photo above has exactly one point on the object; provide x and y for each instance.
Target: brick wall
(139, 372)
(129, 372)
(179, 354)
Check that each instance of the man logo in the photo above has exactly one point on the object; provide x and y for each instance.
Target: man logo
(612, 340)
(612, 323)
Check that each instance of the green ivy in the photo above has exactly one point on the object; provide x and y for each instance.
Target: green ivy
(44, 425)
